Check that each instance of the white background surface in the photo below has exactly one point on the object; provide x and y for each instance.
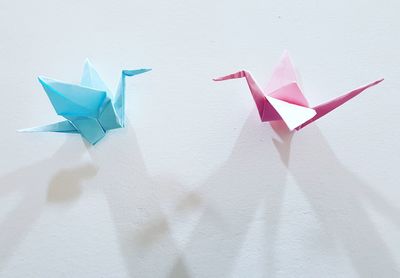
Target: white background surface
(196, 185)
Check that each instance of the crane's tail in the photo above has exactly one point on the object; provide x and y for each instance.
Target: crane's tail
(327, 107)
(63, 126)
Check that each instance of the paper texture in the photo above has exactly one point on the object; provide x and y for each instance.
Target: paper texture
(89, 107)
(282, 99)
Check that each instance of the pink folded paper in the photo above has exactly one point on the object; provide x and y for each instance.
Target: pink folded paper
(283, 99)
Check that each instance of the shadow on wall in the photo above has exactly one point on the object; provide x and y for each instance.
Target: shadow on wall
(201, 233)
(248, 179)
(135, 200)
(338, 198)
(336, 195)
(31, 183)
(146, 228)
(158, 225)
(66, 184)
(218, 214)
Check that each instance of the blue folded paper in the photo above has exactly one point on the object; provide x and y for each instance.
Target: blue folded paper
(89, 107)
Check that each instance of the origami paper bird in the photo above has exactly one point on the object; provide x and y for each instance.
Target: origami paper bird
(282, 99)
(89, 107)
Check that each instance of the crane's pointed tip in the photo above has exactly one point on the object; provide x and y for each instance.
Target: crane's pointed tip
(376, 82)
(44, 79)
(220, 78)
(146, 70)
(26, 130)
(143, 70)
(285, 54)
(87, 64)
(134, 72)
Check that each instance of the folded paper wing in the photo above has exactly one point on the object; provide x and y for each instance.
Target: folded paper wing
(108, 117)
(70, 100)
(81, 105)
(283, 83)
(286, 89)
(91, 79)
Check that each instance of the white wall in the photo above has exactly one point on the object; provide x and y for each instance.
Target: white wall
(196, 185)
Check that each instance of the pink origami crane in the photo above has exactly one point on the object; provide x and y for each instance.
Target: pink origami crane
(282, 98)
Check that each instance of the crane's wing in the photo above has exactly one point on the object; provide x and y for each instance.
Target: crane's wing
(90, 78)
(71, 99)
(284, 76)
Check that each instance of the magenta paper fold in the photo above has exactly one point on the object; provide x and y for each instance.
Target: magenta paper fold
(282, 98)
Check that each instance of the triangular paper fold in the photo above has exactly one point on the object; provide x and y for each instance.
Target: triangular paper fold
(293, 115)
(290, 93)
(283, 74)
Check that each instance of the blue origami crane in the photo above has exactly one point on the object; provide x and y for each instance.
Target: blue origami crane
(88, 107)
